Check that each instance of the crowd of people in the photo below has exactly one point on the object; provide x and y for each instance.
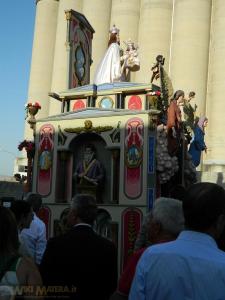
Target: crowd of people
(180, 257)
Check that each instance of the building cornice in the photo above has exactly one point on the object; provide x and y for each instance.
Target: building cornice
(40, 0)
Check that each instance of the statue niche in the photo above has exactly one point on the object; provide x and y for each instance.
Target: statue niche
(89, 173)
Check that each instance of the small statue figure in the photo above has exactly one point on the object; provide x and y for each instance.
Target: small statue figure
(156, 67)
(189, 112)
(198, 145)
(174, 122)
(89, 173)
(130, 59)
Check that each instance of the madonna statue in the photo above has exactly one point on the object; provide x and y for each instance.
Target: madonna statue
(109, 69)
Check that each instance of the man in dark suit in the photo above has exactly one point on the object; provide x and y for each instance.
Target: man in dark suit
(82, 264)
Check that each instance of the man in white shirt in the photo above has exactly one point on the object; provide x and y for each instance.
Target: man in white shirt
(35, 235)
(192, 266)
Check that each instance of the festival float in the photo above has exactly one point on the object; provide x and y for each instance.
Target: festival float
(109, 140)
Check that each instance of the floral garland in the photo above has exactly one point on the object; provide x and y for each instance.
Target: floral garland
(155, 93)
(29, 147)
(31, 104)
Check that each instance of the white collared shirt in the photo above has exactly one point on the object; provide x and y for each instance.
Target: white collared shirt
(35, 238)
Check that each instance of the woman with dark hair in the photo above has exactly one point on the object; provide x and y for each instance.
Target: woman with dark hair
(15, 271)
(198, 144)
(109, 69)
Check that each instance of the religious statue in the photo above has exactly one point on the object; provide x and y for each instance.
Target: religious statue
(130, 60)
(109, 69)
(198, 145)
(189, 112)
(89, 172)
(114, 64)
(174, 122)
(156, 67)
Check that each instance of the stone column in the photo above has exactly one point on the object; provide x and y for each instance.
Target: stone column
(125, 15)
(42, 57)
(190, 48)
(98, 15)
(215, 137)
(60, 67)
(154, 35)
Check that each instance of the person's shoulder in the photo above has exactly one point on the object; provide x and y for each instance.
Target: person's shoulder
(63, 238)
(37, 222)
(160, 248)
(56, 241)
(219, 256)
(104, 241)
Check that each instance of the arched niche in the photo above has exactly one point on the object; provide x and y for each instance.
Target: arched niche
(76, 147)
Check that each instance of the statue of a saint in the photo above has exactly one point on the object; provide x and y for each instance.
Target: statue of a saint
(89, 173)
(130, 60)
(114, 64)
(109, 69)
(198, 144)
(189, 112)
(174, 122)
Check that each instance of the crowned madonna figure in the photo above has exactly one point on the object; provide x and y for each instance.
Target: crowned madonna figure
(109, 69)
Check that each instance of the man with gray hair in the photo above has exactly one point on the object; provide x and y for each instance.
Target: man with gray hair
(164, 223)
(192, 266)
(81, 259)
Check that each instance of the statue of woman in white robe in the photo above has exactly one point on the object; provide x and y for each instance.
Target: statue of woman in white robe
(109, 69)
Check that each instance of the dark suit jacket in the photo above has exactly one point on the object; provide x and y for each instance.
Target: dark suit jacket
(81, 260)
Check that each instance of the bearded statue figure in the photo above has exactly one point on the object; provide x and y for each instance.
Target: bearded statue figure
(89, 173)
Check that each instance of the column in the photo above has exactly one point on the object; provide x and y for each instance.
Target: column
(215, 107)
(125, 15)
(42, 57)
(60, 66)
(190, 48)
(98, 14)
(154, 35)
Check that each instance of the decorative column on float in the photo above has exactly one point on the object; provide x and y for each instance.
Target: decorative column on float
(31, 110)
(29, 146)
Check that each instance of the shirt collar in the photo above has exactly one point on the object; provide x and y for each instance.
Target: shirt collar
(82, 224)
(199, 237)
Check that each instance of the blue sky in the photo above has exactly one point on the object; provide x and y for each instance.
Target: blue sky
(16, 32)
